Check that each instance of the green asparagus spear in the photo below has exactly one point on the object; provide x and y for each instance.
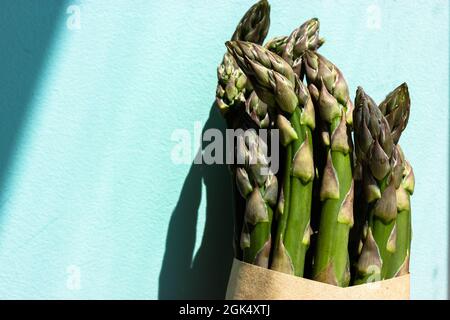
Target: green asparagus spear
(233, 91)
(276, 84)
(327, 85)
(254, 25)
(382, 165)
(396, 109)
(360, 214)
(305, 37)
(398, 263)
(301, 39)
(259, 188)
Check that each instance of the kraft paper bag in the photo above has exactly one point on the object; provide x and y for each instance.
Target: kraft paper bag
(249, 282)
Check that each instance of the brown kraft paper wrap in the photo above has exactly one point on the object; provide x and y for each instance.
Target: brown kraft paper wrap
(249, 282)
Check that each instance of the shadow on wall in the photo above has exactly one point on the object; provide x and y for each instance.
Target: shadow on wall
(204, 276)
(26, 32)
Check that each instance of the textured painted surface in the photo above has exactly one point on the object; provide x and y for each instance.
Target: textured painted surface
(89, 196)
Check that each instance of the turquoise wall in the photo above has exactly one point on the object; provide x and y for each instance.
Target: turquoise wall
(91, 204)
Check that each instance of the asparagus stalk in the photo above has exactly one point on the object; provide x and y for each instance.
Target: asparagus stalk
(398, 263)
(254, 25)
(261, 193)
(306, 37)
(360, 213)
(259, 188)
(233, 90)
(291, 49)
(329, 89)
(294, 230)
(277, 85)
(396, 109)
(381, 161)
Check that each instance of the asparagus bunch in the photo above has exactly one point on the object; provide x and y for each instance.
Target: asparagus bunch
(276, 84)
(287, 257)
(261, 87)
(331, 96)
(383, 167)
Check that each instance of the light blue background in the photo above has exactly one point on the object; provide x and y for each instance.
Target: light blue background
(88, 188)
